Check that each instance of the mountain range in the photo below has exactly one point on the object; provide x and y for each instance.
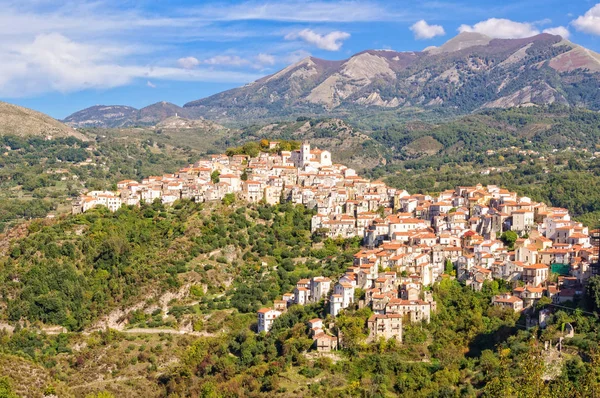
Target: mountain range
(467, 73)
(114, 116)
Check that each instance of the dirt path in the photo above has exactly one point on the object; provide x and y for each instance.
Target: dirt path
(97, 383)
(167, 331)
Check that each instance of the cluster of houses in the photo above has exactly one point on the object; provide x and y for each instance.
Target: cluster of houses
(409, 241)
(419, 236)
(303, 176)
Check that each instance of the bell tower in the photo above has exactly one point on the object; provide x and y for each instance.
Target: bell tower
(305, 153)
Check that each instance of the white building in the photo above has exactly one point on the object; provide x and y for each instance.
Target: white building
(266, 316)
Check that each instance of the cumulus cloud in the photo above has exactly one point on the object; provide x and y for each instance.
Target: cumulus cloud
(559, 30)
(501, 28)
(331, 42)
(589, 22)
(188, 62)
(150, 84)
(423, 30)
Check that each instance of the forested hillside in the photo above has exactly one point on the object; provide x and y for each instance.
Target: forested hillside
(71, 271)
(469, 349)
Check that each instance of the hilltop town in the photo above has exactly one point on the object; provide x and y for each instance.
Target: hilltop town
(475, 234)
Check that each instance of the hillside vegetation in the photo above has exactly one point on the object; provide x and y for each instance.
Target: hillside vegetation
(72, 271)
(469, 349)
(19, 121)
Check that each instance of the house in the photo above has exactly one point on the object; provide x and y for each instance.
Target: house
(266, 316)
(301, 295)
(508, 301)
(529, 294)
(416, 310)
(324, 342)
(522, 220)
(535, 274)
(252, 191)
(316, 323)
(280, 305)
(335, 304)
(346, 290)
(410, 291)
(388, 326)
(319, 288)
(565, 295)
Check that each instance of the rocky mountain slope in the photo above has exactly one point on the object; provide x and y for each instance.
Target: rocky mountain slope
(469, 72)
(16, 120)
(110, 116)
(177, 122)
(102, 116)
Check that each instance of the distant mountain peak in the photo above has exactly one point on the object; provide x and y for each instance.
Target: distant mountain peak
(109, 116)
(462, 41)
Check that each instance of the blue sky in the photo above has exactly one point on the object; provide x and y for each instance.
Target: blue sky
(62, 56)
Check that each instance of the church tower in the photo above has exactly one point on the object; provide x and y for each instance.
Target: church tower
(305, 154)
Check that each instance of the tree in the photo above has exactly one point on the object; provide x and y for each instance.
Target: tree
(592, 293)
(449, 269)
(532, 366)
(214, 177)
(251, 149)
(228, 199)
(541, 303)
(509, 238)
(502, 384)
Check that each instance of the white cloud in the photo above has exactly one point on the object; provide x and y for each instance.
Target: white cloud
(300, 11)
(589, 22)
(542, 22)
(559, 30)
(229, 60)
(53, 62)
(502, 28)
(265, 59)
(188, 62)
(331, 41)
(423, 30)
(258, 61)
(150, 84)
